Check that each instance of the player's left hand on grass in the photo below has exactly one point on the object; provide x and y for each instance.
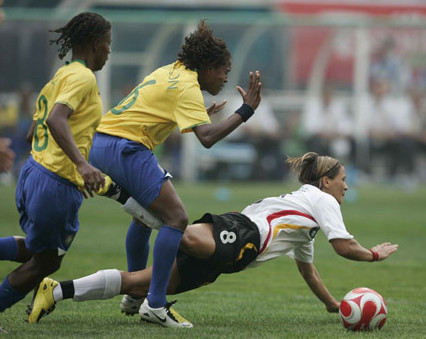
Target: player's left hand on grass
(384, 250)
(215, 108)
(333, 308)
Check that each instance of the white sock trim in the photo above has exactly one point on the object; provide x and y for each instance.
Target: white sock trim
(57, 293)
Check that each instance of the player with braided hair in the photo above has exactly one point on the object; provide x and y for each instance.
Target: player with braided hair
(83, 29)
(123, 148)
(54, 179)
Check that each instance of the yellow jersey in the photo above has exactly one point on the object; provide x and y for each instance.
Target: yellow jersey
(73, 85)
(169, 97)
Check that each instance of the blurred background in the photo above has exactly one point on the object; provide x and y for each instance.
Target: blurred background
(345, 78)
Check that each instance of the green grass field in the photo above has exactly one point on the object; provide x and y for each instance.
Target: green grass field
(271, 301)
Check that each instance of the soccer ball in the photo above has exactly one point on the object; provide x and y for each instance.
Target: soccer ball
(363, 309)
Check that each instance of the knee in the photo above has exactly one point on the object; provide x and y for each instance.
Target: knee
(23, 253)
(55, 265)
(177, 219)
(46, 265)
(50, 267)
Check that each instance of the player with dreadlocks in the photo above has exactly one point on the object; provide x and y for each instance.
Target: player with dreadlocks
(54, 179)
(123, 148)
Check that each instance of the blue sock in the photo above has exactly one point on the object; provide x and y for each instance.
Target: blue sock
(8, 295)
(137, 247)
(8, 248)
(165, 250)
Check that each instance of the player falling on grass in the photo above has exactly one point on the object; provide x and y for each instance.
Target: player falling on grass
(51, 182)
(123, 147)
(230, 242)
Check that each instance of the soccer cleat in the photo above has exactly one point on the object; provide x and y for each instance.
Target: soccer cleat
(165, 316)
(113, 191)
(42, 303)
(129, 305)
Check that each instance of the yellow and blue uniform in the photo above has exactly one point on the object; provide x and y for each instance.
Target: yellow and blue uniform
(123, 148)
(169, 97)
(47, 193)
(73, 85)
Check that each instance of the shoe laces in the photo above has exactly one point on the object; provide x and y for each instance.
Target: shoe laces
(175, 314)
(168, 305)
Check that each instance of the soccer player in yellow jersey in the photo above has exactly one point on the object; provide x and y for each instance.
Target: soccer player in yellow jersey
(123, 148)
(51, 182)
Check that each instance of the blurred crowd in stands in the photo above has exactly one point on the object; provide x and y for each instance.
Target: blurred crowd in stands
(394, 137)
(394, 121)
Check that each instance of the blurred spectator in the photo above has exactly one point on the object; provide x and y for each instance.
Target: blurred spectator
(15, 120)
(2, 16)
(265, 133)
(7, 156)
(391, 129)
(379, 109)
(417, 105)
(294, 143)
(171, 154)
(417, 97)
(8, 123)
(26, 109)
(327, 125)
(387, 63)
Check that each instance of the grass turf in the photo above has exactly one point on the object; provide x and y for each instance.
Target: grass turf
(270, 301)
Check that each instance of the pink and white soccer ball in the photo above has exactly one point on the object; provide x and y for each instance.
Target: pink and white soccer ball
(363, 309)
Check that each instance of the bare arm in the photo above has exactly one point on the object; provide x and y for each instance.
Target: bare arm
(61, 132)
(209, 134)
(30, 133)
(313, 279)
(351, 249)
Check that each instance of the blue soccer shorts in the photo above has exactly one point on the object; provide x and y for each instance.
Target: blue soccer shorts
(48, 207)
(130, 164)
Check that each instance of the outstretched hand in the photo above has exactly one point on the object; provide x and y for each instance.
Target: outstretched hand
(385, 250)
(252, 97)
(215, 108)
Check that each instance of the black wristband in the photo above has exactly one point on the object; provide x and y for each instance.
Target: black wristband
(245, 111)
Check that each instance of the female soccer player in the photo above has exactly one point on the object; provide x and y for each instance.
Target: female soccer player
(51, 182)
(123, 148)
(228, 243)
